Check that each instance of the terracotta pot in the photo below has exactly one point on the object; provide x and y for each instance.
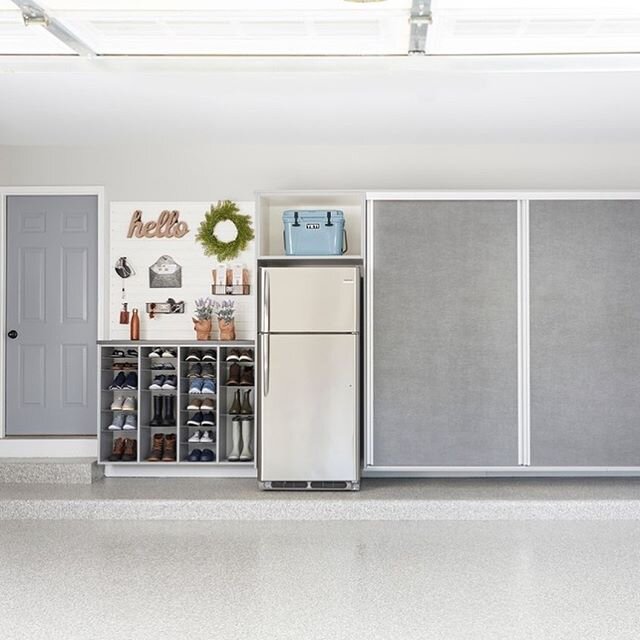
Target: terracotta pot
(203, 329)
(227, 329)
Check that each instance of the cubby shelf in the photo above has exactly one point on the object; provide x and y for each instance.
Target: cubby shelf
(223, 430)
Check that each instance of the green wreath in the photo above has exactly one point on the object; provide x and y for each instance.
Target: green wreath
(226, 210)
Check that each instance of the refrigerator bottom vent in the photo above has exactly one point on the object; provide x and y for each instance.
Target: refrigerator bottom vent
(317, 485)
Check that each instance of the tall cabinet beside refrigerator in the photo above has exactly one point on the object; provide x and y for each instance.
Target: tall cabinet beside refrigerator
(309, 380)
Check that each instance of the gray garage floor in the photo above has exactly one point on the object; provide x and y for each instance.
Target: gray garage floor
(308, 580)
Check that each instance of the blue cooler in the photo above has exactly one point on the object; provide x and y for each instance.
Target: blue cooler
(314, 233)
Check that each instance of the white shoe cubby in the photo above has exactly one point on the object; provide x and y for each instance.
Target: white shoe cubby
(169, 409)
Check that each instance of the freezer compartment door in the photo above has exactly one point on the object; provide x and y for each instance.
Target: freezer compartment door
(310, 300)
(309, 408)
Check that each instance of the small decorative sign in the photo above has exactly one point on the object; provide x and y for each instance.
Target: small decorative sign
(168, 225)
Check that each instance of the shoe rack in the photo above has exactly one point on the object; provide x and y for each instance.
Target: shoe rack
(237, 407)
(177, 397)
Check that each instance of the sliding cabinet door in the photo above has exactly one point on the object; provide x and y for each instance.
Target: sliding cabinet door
(444, 320)
(585, 332)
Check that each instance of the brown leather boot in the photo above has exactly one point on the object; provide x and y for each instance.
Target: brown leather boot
(246, 379)
(156, 447)
(130, 454)
(169, 448)
(234, 375)
(118, 450)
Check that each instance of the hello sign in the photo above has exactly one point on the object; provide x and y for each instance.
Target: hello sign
(168, 225)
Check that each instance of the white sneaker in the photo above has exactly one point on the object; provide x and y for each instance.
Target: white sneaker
(116, 405)
(206, 437)
(130, 423)
(195, 437)
(117, 423)
(168, 353)
(129, 404)
(156, 353)
(194, 404)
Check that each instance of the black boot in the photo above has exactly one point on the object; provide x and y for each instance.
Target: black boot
(169, 416)
(157, 421)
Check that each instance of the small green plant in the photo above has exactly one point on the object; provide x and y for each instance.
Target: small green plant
(205, 308)
(225, 311)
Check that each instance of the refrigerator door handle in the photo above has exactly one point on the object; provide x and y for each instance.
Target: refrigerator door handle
(266, 301)
(265, 365)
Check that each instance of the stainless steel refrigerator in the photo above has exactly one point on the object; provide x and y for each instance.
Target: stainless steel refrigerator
(309, 378)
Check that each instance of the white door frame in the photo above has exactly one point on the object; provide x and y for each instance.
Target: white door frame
(52, 446)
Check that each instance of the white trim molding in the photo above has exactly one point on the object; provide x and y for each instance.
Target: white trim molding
(52, 446)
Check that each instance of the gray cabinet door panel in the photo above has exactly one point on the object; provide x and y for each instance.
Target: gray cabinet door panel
(52, 304)
(445, 333)
(585, 333)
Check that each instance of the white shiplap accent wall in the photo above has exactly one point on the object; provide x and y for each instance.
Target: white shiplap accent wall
(196, 272)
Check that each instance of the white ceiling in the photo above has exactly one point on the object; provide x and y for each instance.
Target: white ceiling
(403, 101)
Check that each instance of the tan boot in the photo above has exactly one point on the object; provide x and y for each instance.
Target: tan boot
(118, 450)
(169, 448)
(130, 450)
(157, 448)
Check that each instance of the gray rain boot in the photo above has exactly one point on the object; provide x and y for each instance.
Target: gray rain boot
(247, 428)
(246, 409)
(235, 407)
(234, 456)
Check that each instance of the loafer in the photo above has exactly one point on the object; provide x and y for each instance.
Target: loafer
(157, 383)
(209, 355)
(195, 355)
(170, 383)
(195, 420)
(131, 382)
(196, 385)
(118, 381)
(208, 386)
(195, 456)
(208, 419)
(207, 456)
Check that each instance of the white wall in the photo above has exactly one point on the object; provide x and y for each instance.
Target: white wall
(194, 173)
(196, 272)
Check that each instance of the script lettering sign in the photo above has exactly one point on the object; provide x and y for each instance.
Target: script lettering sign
(168, 225)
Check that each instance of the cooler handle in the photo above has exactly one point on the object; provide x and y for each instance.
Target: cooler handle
(345, 243)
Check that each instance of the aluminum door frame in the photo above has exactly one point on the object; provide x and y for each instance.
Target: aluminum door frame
(102, 298)
(523, 198)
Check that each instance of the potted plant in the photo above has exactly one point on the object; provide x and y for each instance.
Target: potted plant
(205, 308)
(225, 313)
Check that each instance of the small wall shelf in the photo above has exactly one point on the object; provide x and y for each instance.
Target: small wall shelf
(270, 245)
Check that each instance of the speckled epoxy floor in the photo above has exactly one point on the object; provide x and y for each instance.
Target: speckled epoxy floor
(312, 580)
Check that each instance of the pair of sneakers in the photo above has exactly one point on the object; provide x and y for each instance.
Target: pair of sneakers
(163, 353)
(121, 353)
(121, 422)
(164, 382)
(202, 385)
(240, 355)
(204, 405)
(197, 370)
(201, 419)
(202, 436)
(123, 403)
(196, 355)
(124, 381)
(204, 455)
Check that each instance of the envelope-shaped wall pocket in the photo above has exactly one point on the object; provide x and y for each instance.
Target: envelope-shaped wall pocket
(165, 273)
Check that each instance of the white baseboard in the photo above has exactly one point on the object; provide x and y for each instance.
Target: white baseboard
(48, 448)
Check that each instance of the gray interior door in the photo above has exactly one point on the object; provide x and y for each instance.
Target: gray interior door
(445, 333)
(51, 306)
(585, 333)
